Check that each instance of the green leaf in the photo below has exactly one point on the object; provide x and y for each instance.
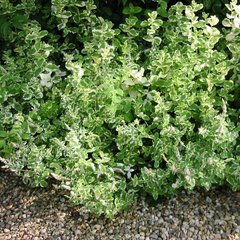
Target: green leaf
(162, 9)
(2, 143)
(49, 109)
(148, 38)
(19, 20)
(208, 3)
(131, 9)
(43, 33)
(157, 41)
(5, 30)
(3, 134)
(43, 183)
(3, 95)
(144, 23)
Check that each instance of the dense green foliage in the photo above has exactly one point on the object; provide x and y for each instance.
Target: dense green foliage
(110, 111)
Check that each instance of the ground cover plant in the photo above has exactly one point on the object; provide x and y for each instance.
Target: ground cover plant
(114, 109)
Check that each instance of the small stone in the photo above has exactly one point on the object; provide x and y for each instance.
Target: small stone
(154, 236)
(160, 221)
(192, 229)
(127, 236)
(137, 236)
(189, 234)
(98, 227)
(171, 221)
(217, 236)
(208, 199)
(43, 231)
(78, 232)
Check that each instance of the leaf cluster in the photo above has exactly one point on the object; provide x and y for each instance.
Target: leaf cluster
(111, 112)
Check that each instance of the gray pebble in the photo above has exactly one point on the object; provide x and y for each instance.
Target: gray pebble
(154, 236)
(42, 214)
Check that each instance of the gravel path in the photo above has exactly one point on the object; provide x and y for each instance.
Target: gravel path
(43, 214)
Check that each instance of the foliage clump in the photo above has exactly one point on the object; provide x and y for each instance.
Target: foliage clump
(151, 105)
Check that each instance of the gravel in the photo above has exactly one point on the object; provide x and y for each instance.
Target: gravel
(44, 214)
